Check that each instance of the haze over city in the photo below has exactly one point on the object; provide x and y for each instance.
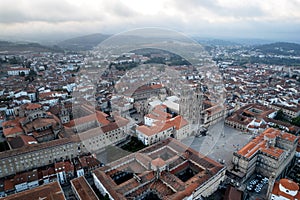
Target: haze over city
(55, 20)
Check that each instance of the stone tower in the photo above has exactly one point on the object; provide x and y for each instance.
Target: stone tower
(64, 115)
(190, 106)
(272, 179)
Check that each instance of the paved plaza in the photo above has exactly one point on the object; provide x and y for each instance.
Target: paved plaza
(220, 143)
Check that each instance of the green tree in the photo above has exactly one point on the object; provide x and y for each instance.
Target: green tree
(280, 115)
(296, 121)
(106, 197)
(22, 74)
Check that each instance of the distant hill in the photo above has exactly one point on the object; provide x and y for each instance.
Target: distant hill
(215, 42)
(83, 43)
(280, 48)
(6, 46)
(231, 41)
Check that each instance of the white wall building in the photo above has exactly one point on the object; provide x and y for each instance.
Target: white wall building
(18, 71)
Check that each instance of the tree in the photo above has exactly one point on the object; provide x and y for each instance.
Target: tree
(106, 197)
(280, 115)
(296, 121)
(22, 74)
(32, 73)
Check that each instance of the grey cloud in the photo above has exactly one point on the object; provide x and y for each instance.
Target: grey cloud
(219, 10)
(244, 12)
(119, 9)
(61, 17)
(21, 11)
(54, 11)
(193, 5)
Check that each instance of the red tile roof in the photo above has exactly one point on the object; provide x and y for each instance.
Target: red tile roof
(9, 184)
(276, 191)
(260, 144)
(33, 106)
(146, 179)
(83, 189)
(97, 116)
(46, 192)
(289, 184)
(177, 122)
(7, 132)
(158, 162)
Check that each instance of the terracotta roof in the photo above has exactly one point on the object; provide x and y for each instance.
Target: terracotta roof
(276, 152)
(287, 136)
(83, 189)
(33, 106)
(156, 86)
(114, 126)
(144, 180)
(233, 194)
(177, 122)
(7, 132)
(98, 116)
(158, 162)
(276, 191)
(289, 184)
(148, 87)
(46, 95)
(247, 113)
(18, 69)
(9, 184)
(39, 146)
(102, 118)
(46, 192)
(65, 166)
(270, 135)
(21, 140)
(260, 144)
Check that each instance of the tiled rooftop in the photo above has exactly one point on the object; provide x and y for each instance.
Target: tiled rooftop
(185, 159)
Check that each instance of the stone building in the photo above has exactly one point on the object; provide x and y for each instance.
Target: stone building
(98, 138)
(38, 155)
(190, 105)
(146, 91)
(212, 113)
(270, 152)
(251, 118)
(160, 125)
(91, 132)
(291, 111)
(98, 130)
(166, 170)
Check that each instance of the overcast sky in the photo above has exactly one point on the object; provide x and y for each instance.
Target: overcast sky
(264, 19)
